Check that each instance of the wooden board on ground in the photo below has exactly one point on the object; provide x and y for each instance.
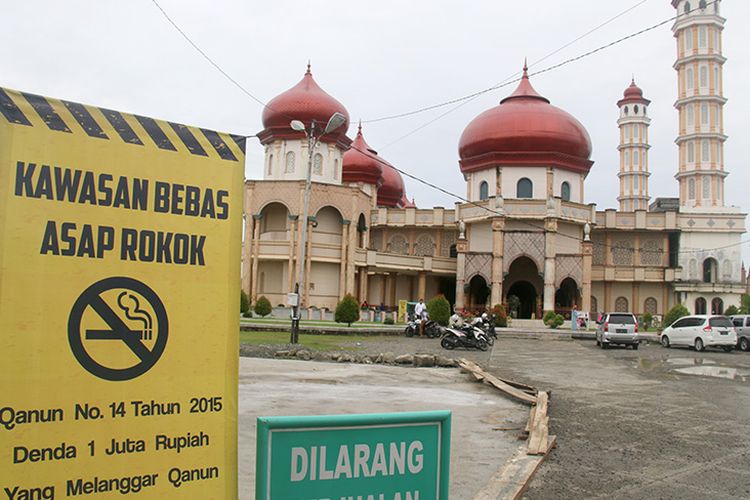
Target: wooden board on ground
(539, 427)
(513, 478)
(496, 382)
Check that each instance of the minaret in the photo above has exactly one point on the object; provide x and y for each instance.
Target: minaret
(633, 148)
(700, 103)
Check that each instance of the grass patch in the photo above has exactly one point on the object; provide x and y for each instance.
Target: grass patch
(317, 342)
(315, 322)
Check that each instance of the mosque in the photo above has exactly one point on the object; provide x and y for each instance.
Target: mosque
(526, 237)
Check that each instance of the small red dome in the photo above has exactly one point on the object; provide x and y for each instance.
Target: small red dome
(525, 129)
(361, 163)
(633, 95)
(305, 102)
(392, 190)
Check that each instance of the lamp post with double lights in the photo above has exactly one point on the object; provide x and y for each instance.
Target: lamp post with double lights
(313, 137)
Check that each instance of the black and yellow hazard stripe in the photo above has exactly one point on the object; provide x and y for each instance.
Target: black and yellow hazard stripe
(22, 108)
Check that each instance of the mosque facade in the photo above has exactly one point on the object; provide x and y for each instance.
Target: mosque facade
(525, 235)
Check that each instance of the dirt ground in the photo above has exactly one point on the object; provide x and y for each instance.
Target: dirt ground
(649, 424)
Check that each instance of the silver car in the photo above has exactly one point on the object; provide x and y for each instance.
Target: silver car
(742, 327)
(617, 328)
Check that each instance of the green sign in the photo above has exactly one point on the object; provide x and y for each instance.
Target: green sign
(389, 456)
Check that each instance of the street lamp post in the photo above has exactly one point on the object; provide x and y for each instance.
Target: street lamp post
(335, 121)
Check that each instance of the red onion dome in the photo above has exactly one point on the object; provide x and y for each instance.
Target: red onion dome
(361, 163)
(392, 190)
(405, 203)
(633, 95)
(525, 130)
(305, 102)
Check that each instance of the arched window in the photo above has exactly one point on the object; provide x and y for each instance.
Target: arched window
(636, 187)
(700, 305)
(690, 115)
(709, 270)
(649, 306)
(716, 6)
(318, 164)
(636, 157)
(705, 150)
(704, 114)
(689, 77)
(691, 152)
(425, 245)
(627, 159)
(702, 4)
(484, 190)
(270, 164)
(524, 188)
(626, 110)
(706, 187)
(717, 306)
(703, 76)
(289, 162)
(565, 191)
(336, 168)
(621, 304)
(691, 189)
(687, 7)
(635, 109)
(703, 32)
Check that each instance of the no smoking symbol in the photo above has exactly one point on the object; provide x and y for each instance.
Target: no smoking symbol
(133, 318)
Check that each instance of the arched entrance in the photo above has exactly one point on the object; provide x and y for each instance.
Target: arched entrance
(479, 292)
(566, 297)
(522, 287)
(522, 300)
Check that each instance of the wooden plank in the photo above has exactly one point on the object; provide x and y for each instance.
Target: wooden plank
(514, 477)
(532, 411)
(539, 428)
(497, 383)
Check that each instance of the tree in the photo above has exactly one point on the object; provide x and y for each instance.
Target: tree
(439, 309)
(501, 318)
(745, 304)
(646, 320)
(677, 312)
(262, 306)
(347, 311)
(553, 320)
(731, 310)
(244, 302)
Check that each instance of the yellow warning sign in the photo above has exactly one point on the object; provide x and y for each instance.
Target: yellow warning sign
(119, 309)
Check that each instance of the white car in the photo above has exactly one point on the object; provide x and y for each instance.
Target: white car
(700, 331)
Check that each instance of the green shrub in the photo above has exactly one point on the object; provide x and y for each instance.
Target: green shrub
(388, 320)
(244, 302)
(745, 304)
(247, 314)
(439, 310)
(501, 317)
(646, 320)
(674, 314)
(552, 319)
(347, 311)
(262, 306)
(731, 310)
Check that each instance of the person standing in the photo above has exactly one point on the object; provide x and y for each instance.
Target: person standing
(420, 310)
(574, 318)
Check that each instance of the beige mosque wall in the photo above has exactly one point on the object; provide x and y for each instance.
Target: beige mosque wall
(568, 242)
(324, 284)
(537, 175)
(480, 237)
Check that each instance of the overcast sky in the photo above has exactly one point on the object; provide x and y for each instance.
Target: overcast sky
(378, 59)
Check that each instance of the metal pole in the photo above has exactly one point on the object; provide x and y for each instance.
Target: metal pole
(301, 268)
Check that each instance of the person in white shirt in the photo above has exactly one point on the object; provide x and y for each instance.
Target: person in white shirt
(420, 311)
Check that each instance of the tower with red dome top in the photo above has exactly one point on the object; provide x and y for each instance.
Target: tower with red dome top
(286, 150)
(634, 171)
(525, 148)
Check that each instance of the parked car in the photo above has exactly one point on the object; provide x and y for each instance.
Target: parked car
(617, 328)
(700, 331)
(741, 324)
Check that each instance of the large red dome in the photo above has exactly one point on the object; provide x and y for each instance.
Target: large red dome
(305, 102)
(392, 190)
(525, 129)
(361, 163)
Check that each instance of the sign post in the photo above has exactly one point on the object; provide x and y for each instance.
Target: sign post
(119, 303)
(381, 456)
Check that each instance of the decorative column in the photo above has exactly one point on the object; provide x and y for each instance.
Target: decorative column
(291, 263)
(351, 269)
(345, 225)
(363, 285)
(421, 285)
(392, 291)
(587, 248)
(635, 307)
(461, 248)
(550, 246)
(254, 257)
(498, 225)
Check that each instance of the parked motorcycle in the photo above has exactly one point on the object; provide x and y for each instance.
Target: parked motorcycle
(431, 328)
(469, 337)
(487, 324)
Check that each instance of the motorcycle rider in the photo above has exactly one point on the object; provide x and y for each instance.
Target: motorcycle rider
(420, 311)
